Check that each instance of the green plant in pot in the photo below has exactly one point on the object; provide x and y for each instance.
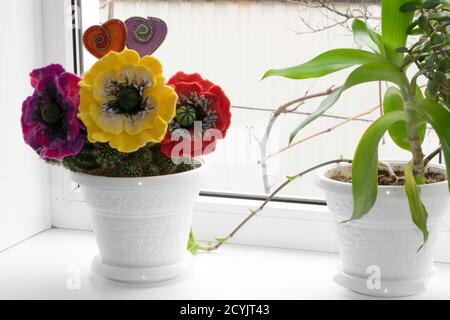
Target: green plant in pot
(390, 214)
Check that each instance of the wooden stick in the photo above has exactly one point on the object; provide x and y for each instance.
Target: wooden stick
(340, 124)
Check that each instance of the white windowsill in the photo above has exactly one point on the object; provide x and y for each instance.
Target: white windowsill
(39, 268)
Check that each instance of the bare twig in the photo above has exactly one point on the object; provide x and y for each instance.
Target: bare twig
(110, 5)
(390, 171)
(341, 16)
(280, 110)
(431, 156)
(111, 10)
(328, 130)
(329, 5)
(269, 198)
(319, 29)
(104, 3)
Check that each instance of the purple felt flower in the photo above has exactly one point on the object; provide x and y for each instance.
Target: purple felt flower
(49, 117)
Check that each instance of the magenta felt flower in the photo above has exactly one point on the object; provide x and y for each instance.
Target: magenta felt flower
(49, 117)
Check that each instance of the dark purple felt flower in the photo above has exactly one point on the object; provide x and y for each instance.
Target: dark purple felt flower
(49, 117)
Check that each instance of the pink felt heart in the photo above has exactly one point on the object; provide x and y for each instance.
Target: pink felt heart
(145, 35)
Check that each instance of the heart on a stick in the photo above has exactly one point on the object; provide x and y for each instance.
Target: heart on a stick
(101, 39)
(145, 35)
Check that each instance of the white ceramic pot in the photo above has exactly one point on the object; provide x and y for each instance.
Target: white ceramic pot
(379, 251)
(141, 224)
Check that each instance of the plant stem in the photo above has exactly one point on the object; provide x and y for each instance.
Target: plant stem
(432, 155)
(418, 156)
(280, 110)
(389, 169)
(269, 198)
(328, 130)
(412, 128)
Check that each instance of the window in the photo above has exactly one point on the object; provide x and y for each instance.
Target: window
(233, 43)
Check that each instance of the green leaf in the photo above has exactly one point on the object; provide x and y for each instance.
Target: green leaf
(365, 164)
(394, 25)
(441, 17)
(439, 117)
(222, 240)
(393, 101)
(401, 50)
(374, 71)
(410, 6)
(415, 32)
(412, 27)
(440, 77)
(432, 88)
(193, 245)
(365, 35)
(437, 39)
(326, 63)
(424, 24)
(431, 4)
(444, 65)
(418, 211)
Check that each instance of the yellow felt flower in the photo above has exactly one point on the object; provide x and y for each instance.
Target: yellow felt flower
(124, 100)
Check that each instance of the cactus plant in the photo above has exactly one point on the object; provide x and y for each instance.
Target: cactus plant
(102, 160)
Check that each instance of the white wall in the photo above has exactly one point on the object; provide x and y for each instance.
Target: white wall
(24, 198)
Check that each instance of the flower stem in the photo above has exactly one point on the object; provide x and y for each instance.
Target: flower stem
(268, 199)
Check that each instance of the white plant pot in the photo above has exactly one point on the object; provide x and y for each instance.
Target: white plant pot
(141, 224)
(379, 251)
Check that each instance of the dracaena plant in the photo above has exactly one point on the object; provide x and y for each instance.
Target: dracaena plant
(414, 35)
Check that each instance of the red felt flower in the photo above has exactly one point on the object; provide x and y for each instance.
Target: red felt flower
(203, 116)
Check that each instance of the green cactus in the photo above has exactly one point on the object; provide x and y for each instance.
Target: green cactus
(84, 162)
(102, 160)
(107, 156)
(185, 166)
(144, 156)
(131, 169)
(163, 162)
(151, 171)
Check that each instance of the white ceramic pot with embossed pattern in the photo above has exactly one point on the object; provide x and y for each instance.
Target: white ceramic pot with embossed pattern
(141, 224)
(379, 252)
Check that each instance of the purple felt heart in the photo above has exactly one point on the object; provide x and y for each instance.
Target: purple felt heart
(145, 35)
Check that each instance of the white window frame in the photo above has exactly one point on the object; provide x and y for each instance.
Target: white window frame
(282, 224)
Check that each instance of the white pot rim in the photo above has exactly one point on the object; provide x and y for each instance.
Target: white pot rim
(137, 182)
(325, 183)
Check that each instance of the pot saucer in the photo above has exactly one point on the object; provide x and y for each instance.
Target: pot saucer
(141, 275)
(386, 289)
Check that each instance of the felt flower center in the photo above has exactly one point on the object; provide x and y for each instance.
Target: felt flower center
(194, 107)
(186, 115)
(128, 99)
(51, 113)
